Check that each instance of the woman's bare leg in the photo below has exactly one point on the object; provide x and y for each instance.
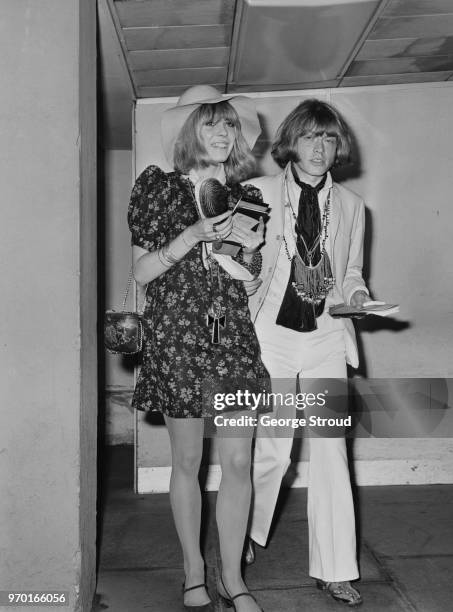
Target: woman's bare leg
(232, 512)
(186, 437)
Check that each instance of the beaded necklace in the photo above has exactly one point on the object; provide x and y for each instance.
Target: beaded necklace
(324, 227)
(311, 282)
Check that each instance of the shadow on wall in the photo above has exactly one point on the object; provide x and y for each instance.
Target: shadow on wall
(351, 171)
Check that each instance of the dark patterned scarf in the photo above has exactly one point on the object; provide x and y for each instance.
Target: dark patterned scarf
(295, 312)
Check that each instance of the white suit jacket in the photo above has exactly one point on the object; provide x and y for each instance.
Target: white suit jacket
(346, 230)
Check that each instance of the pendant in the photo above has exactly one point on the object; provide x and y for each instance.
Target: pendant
(312, 283)
(217, 318)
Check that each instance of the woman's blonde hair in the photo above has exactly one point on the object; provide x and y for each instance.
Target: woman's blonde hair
(189, 150)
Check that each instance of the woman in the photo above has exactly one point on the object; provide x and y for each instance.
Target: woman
(197, 322)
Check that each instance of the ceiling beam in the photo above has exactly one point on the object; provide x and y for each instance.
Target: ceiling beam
(108, 5)
(377, 13)
(237, 19)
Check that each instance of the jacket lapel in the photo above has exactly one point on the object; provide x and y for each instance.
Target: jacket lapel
(281, 196)
(335, 218)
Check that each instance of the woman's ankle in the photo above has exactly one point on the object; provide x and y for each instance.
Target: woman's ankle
(233, 582)
(194, 573)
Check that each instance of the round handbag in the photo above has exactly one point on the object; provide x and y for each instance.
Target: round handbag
(123, 332)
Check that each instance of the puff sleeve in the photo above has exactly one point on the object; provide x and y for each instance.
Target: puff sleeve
(148, 209)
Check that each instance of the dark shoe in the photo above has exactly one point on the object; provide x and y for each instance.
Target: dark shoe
(249, 554)
(207, 607)
(228, 599)
(341, 591)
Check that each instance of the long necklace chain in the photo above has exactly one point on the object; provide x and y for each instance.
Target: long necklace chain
(216, 313)
(323, 232)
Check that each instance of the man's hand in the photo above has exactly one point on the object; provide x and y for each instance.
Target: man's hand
(251, 286)
(358, 298)
(250, 240)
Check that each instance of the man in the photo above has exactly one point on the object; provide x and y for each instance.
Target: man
(312, 259)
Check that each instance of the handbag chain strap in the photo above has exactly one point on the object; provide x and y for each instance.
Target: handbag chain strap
(126, 293)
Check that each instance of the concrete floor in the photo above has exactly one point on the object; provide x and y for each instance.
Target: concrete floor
(405, 534)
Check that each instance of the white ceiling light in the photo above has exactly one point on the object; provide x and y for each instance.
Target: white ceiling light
(295, 43)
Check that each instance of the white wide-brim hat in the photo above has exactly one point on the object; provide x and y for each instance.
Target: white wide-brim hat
(174, 118)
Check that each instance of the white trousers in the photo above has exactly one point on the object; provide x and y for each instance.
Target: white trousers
(331, 522)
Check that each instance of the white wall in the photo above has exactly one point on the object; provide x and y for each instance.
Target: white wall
(48, 287)
(403, 135)
(407, 182)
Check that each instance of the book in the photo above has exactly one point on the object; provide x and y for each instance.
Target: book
(252, 208)
(246, 216)
(372, 307)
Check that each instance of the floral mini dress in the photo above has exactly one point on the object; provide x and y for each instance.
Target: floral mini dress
(181, 367)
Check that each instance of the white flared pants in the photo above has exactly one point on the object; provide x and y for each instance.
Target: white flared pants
(331, 522)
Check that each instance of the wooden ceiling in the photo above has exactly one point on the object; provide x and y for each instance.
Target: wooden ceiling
(167, 45)
(410, 42)
(172, 44)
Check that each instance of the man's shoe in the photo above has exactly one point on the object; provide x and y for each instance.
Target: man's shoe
(341, 591)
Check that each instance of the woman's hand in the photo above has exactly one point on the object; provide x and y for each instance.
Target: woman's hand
(251, 240)
(358, 298)
(212, 228)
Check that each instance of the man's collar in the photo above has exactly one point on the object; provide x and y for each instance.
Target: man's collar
(288, 176)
